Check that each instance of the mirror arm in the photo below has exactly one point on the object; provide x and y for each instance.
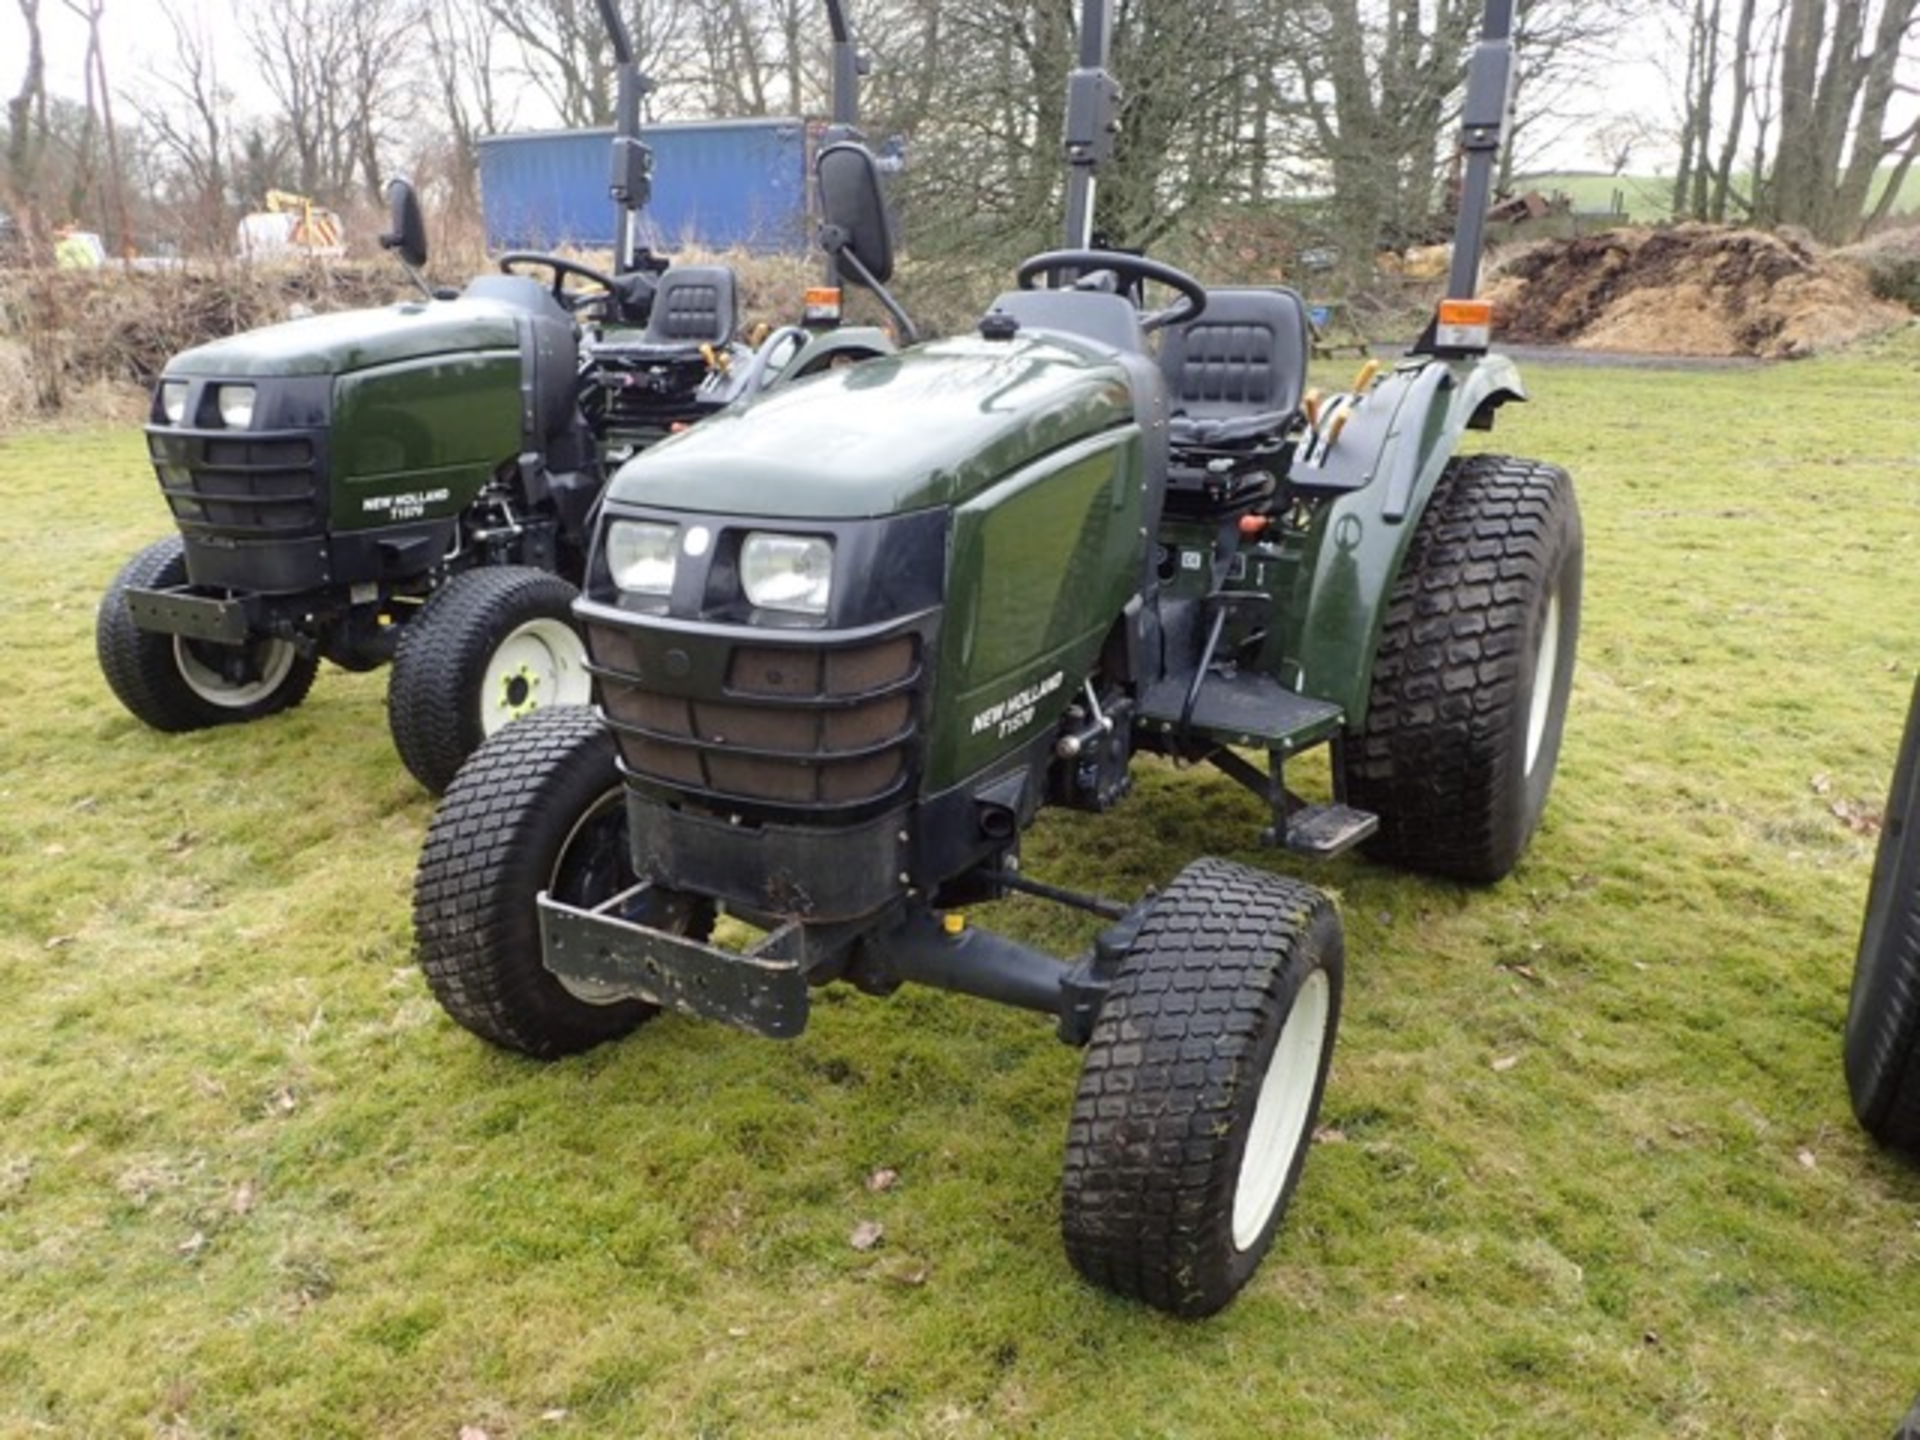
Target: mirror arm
(419, 280)
(396, 243)
(836, 244)
(393, 243)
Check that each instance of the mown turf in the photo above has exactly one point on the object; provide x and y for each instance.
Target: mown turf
(1587, 1166)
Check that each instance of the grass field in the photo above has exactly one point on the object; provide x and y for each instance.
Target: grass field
(1587, 1165)
(1648, 199)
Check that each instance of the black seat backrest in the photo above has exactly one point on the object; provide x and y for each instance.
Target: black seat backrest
(692, 305)
(1244, 355)
(1103, 318)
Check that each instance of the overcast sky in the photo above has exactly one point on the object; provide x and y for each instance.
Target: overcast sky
(137, 39)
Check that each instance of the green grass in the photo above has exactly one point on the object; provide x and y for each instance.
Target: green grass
(1645, 198)
(1588, 1165)
(1648, 199)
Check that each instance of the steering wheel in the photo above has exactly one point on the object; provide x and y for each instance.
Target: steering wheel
(1129, 269)
(560, 268)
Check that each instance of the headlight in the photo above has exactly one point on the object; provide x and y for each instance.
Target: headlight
(236, 406)
(173, 400)
(640, 556)
(787, 572)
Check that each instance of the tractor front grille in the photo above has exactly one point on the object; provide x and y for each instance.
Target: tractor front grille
(268, 485)
(805, 729)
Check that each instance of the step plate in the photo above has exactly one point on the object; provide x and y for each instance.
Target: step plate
(1324, 831)
(1248, 708)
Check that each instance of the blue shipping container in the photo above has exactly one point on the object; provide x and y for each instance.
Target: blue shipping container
(716, 184)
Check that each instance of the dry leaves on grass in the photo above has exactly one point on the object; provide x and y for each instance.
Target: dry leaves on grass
(1858, 816)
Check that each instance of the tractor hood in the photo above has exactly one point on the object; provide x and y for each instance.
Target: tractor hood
(930, 426)
(357, 339)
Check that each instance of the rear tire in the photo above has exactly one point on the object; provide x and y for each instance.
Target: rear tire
(1200, 1088)
(1473, 672)
(539, 807)
(175, 684)
(1882, 1047)
(492, 645)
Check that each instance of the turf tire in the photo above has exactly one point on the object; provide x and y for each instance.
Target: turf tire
(176, 684)
(1180, 1159)
(492, 645)
(1882, 1046)
(539, 806)
(1460, 743)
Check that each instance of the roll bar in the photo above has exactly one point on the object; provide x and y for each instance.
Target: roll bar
(1093, 109)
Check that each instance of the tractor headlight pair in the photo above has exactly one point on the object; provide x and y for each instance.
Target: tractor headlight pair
(793, 573)
(234, 402)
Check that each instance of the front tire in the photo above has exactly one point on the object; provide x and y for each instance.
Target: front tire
(1882, 1046)
(492, 645)
(538, 807)
(1473, 672)
(1200, 1087)
(175, 684)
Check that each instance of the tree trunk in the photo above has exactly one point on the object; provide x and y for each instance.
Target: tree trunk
(1723, 193)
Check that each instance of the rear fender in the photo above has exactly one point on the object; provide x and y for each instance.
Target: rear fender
(836, 347)
(1383, 470)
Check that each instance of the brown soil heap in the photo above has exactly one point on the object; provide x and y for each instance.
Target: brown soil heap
(1685, 290)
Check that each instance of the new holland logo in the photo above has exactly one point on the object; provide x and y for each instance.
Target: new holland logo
(409, 506)
(1016, 712)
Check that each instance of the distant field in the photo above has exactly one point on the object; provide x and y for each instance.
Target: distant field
(1587, 1166)
(1647, 198)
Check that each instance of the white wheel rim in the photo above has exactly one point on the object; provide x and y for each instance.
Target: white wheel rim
(1276, 1132)
(540, 663)
(1546, 662)
(586, 991)
(276, 663)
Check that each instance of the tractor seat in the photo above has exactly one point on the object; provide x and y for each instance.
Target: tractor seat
(1236, 372)
(1099, 317)
(693, 305)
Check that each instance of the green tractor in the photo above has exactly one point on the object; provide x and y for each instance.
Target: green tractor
(850, 638)
(416, 484)
(1882, 1042)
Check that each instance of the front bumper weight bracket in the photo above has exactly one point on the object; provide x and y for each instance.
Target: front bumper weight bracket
(196, 617)
(762, 989)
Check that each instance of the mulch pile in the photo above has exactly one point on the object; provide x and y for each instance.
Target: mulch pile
(1686, 290)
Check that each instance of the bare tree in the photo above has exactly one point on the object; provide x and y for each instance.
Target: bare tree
(99, 126)
(465, 64)
(1379, 86)
(185, 109)
(567, 55)
(336, 69)
(1802, 93)
(1562, 45)
(1194, 128)
(27, 130)
(1838, 73)
(761, 56)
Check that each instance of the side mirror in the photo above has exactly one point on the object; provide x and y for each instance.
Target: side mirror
(855, 214)
(406, 230)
